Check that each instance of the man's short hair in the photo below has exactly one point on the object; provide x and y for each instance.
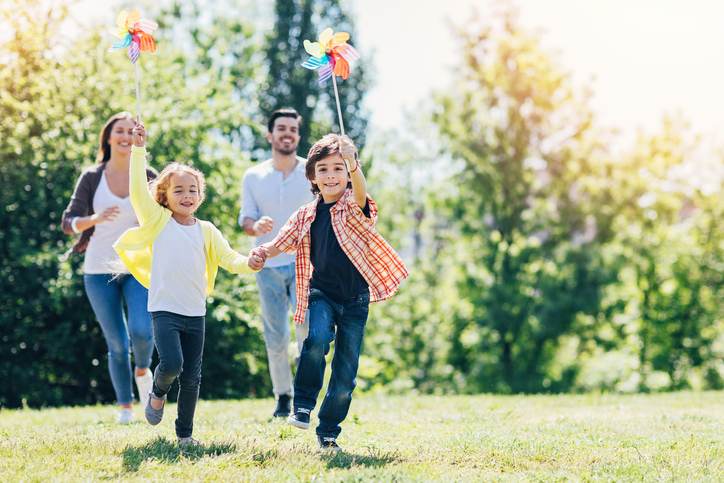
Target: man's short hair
(285, 112)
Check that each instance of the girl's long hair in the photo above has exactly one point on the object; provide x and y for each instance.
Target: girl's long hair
(104, 147)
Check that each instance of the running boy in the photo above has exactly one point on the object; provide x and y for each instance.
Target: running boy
(353, 266)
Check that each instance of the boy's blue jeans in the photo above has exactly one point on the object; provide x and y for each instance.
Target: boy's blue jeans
(107, 294)
(345, 324)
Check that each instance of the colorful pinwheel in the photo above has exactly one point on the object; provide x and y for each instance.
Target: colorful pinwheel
(136, 34)
(330, 55)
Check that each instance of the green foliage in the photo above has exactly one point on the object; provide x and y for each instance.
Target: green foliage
(669, 250)
(525, 208)
(541, 259)
(53, 105)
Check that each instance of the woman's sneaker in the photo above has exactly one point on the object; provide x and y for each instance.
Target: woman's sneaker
(300, 418)
(329, 444)
(154, 416)
(144, 384)
(125, 416)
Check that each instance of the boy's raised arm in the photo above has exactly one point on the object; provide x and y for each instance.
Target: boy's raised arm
(348, 151)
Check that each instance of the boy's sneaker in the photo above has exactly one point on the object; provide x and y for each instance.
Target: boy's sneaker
(154, 416)
(125, 416)
(300, 418)
(283, 406)
(328, 444)
(188, 441)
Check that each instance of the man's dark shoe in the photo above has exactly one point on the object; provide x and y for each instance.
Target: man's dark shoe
(328, 444)
(283, 406)
(300, 418)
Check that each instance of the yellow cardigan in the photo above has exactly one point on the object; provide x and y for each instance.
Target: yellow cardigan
(135, 246)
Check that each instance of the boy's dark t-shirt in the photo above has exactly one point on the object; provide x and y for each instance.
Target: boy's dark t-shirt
(333, 273)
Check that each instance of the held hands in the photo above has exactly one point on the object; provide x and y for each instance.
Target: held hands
(348, 151)
(139, 135)
(263, 225)
(257, 257)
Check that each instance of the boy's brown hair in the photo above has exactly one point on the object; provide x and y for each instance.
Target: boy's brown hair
(327, 146)
(160, 185)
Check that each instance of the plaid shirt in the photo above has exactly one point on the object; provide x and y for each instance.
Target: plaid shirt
(371, 255)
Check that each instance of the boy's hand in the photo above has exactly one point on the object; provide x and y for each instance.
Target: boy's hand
(255, 261)
(257, 257)
(139, 135)
(261, 252)
(348, 151)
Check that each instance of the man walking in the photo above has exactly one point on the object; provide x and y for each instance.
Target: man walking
(271, 192)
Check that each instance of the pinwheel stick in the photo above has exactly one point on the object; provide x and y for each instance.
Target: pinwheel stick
(339, 109)
(138, 92)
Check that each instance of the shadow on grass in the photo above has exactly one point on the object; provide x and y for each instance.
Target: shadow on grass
(161, 449)
(375, 458)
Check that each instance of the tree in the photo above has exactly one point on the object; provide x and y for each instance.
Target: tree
(53, 102)
(670, 251)
(529, 208)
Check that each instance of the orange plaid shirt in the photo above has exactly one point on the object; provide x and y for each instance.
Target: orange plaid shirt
(371, 255)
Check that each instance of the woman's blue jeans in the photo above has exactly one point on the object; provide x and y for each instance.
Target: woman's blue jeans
(108, 294)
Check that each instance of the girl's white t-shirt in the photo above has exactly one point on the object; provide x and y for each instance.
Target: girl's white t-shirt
(178, 271)
(100, 257)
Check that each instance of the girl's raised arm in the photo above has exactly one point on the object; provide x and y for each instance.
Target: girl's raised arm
(141, 199)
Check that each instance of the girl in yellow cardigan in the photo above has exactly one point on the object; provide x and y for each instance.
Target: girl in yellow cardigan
(176, 256)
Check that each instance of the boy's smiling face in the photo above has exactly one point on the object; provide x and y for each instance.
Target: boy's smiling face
(330, 176)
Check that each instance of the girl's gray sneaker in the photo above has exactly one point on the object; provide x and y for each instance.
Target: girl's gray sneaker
(154, 416)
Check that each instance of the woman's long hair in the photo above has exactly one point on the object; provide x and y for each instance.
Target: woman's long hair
(104, 147)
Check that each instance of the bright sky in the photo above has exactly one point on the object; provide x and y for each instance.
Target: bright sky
(647, 57)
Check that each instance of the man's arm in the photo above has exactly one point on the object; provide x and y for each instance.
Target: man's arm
(258, 227)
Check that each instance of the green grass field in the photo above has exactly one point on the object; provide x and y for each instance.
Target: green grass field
(454, 438)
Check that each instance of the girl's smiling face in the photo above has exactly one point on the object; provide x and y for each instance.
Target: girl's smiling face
(183, 194)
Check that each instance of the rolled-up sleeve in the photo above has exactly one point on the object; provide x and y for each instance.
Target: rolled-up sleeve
(249, 206)
(78, 205)
(288, 237)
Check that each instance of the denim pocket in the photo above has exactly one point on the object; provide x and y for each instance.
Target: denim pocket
(314, 295)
